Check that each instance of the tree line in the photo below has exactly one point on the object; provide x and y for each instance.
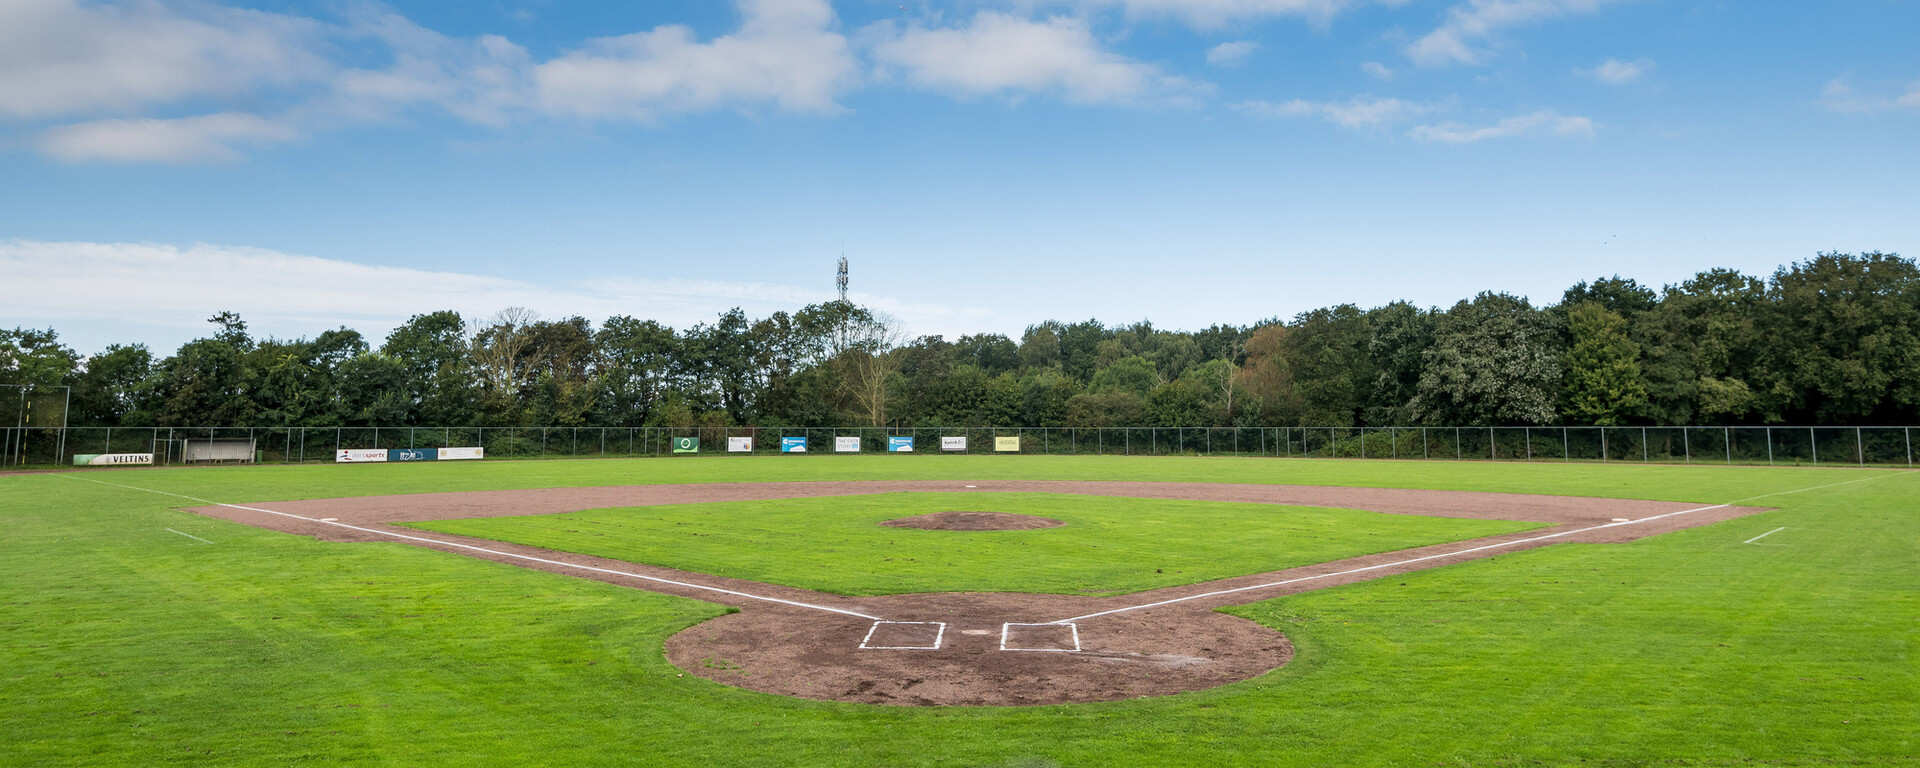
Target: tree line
(1829, 340)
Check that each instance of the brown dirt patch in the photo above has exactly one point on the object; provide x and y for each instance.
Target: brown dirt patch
(808, 652)
(974, 521)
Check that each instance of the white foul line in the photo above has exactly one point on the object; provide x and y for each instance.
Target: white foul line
(188, 535)
(1764, 535)
(528, 558)
(1454, 554)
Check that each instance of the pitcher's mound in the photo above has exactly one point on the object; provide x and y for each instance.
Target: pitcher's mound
(974, 521)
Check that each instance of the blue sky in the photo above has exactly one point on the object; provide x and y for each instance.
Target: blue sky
(986, 164)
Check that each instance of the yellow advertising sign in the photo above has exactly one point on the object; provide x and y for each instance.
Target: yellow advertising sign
(1006, 444)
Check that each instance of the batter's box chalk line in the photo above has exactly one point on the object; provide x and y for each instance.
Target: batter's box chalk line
(939, 631)
(1060, 637)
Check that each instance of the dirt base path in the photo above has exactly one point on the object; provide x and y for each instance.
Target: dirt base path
(978, 648)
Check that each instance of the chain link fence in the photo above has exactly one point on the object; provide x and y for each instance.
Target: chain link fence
(1859, 446)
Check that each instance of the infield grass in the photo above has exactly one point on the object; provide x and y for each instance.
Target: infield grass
(1108, 545)
(122, 643)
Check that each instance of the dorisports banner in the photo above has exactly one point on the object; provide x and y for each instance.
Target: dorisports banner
(953, 443)
(1006, 444)
(900, 444)
(793, 445)
(846, 445)
(359, 455)
(740, 445)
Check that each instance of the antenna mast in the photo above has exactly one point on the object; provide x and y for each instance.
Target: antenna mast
(841, 280)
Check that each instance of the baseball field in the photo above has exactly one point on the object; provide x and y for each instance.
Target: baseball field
(961, 610)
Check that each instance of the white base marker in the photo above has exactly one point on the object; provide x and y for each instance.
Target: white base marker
(1764, 535)
(1071, 627)
(939, 633)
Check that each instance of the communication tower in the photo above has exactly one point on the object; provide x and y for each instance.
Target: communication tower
(841, 280)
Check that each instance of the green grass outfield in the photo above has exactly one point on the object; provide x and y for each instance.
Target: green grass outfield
(123, 643)
(1108, 545)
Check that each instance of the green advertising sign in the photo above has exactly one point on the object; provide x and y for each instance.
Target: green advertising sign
(686, 445)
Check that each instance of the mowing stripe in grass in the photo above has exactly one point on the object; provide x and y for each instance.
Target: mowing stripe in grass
(1451, 554)
(528, 558)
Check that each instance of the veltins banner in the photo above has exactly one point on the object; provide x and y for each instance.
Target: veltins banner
(740, 445)
(900, 444)
(413, 454)
(686, 445)
(846, 445)
(110, 459)
(359, 455)
(1006, 444)
(953, 443)
(451, 454)
(793, 445)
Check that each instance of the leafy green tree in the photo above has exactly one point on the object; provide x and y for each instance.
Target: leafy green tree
(1040, 346)
(1133, 375)
(208, 382)
(993, 353)
(636, 361)
(112, 389)
(1604, 385)
(1327, 353)
(33, 357)
(374, 391)
(1701, 337)
(1494, 360)
(442, 387)
(1842, 340)
(1399, 335)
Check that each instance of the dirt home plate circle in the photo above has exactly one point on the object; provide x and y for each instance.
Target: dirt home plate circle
(976, 648)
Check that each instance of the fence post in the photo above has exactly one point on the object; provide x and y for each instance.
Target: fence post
(1363, 442)
(1859, 448)
(1643, 446)
(1493, 451)
(1686, 444)
(1813, 446)
(1456, 444)
(1727, 435)
(1770, 447)
(1424, 453)
(1566, 451)
(1603, 444)
(1909, 431)
(1529, 443)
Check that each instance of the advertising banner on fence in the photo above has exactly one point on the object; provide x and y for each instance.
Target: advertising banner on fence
(846, 445)
(1006, 444)
(359, 455)
(793, 445)
(452, 454)
(900, 444)
(953, 443)
(686, 445)
(740, 445)
(413, 454)
(110, 459)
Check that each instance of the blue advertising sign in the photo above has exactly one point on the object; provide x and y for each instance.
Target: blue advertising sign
(793, 445)
(413, 454)
(900, 444)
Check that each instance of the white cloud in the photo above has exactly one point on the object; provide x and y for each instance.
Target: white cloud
(784, 54)
(182, 140)
(1616, 72)
(1541, 123)
(1841, 97)
(1377, 70)
(1363, 111)
(1212, 14)
(146, 284)
(997, 53)
(1453, 42)
(1231, 54)
(62, 57)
